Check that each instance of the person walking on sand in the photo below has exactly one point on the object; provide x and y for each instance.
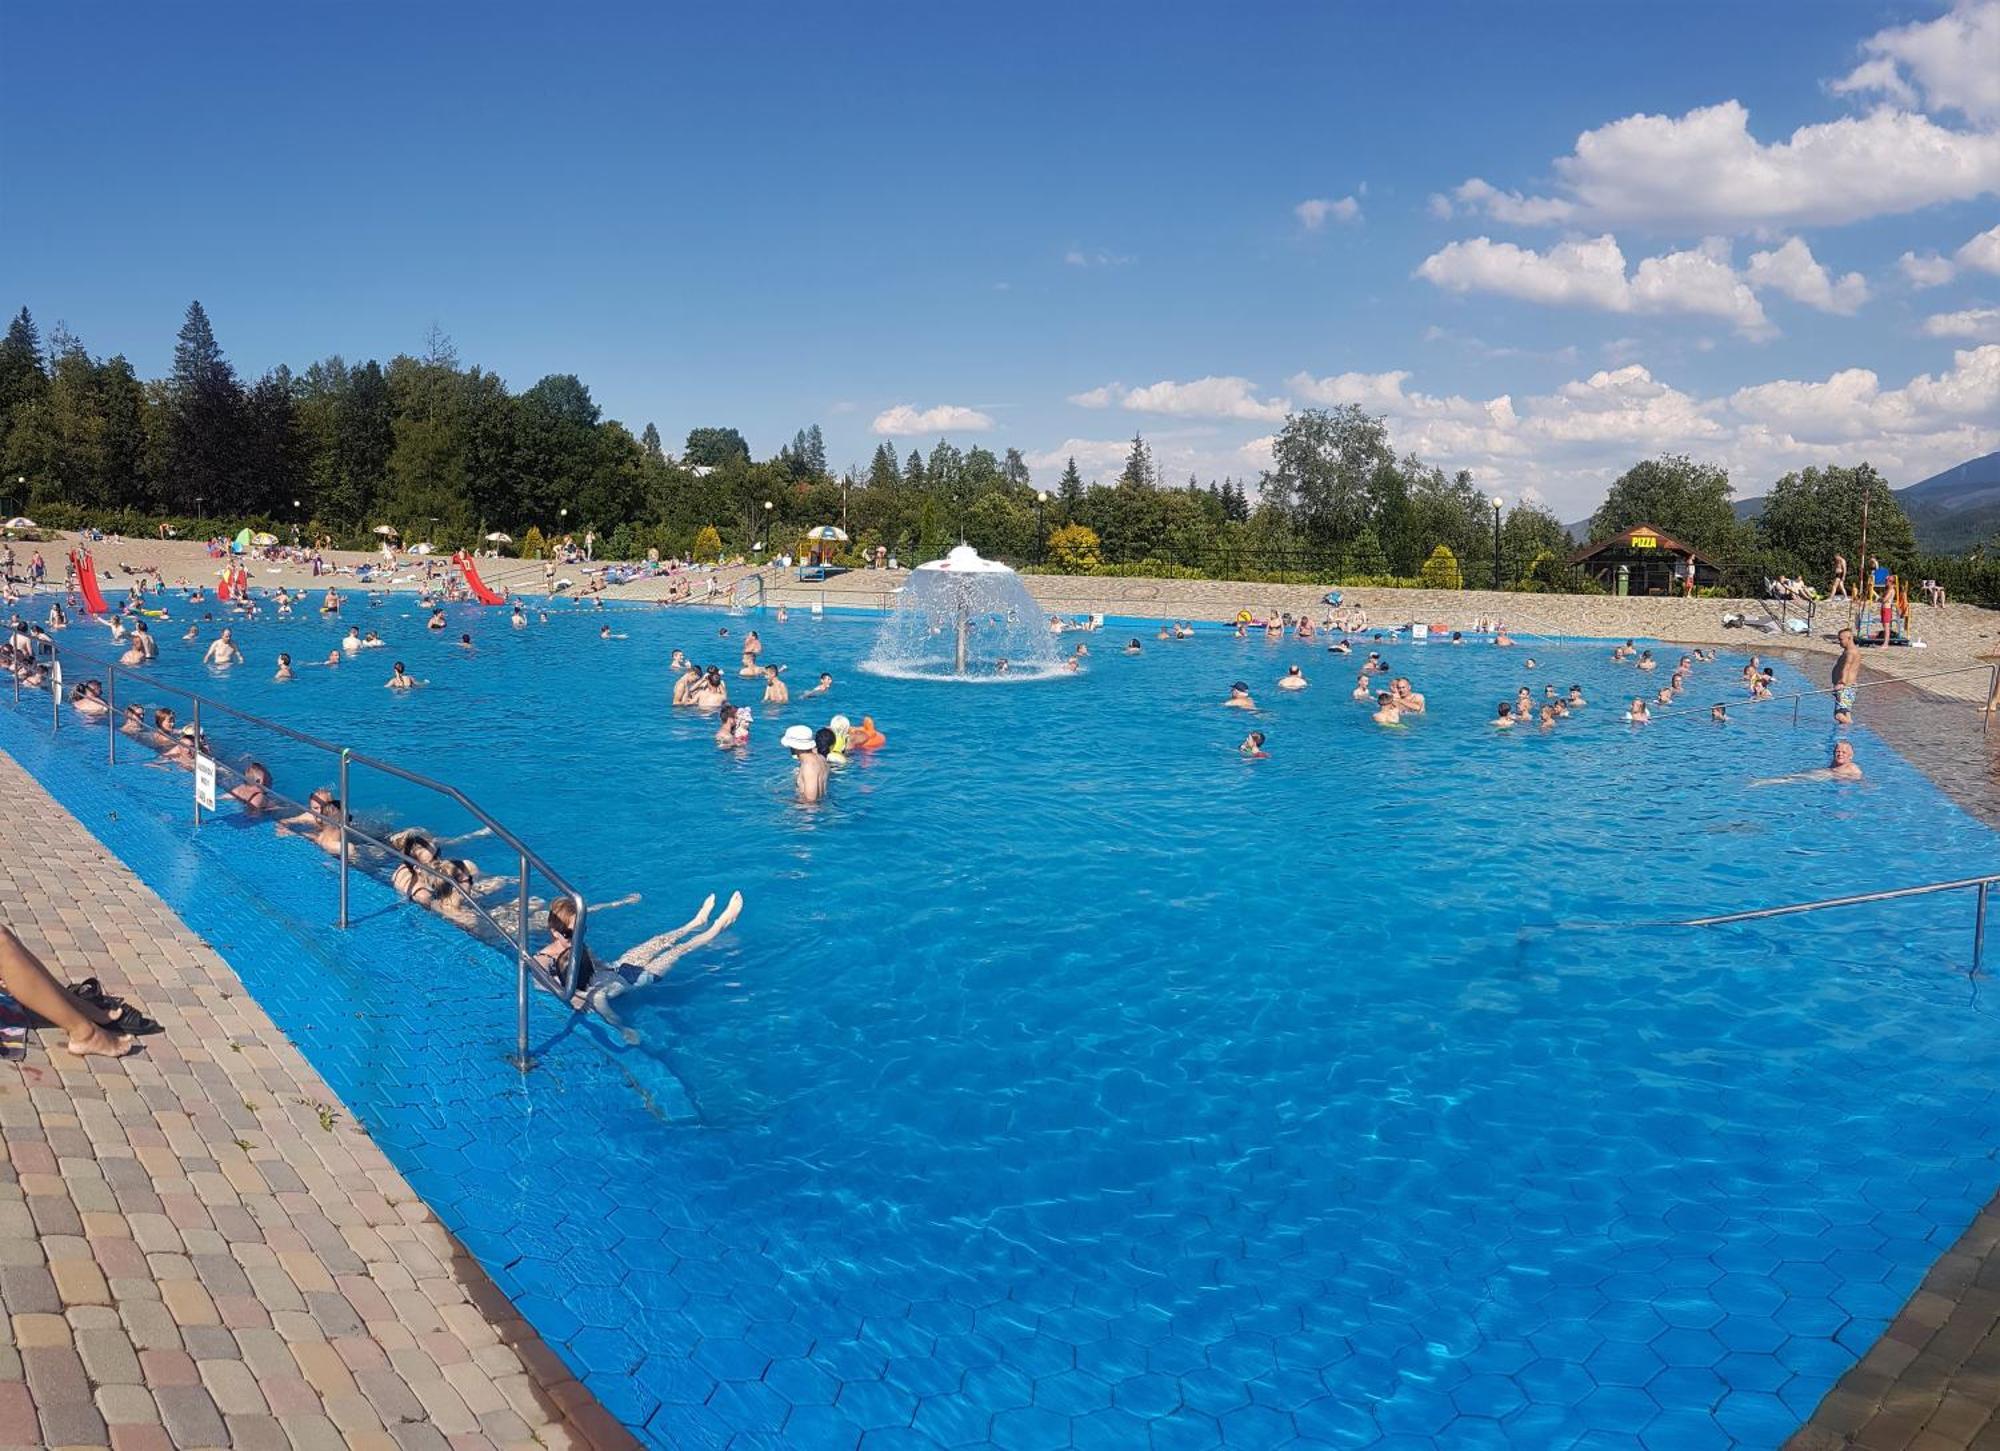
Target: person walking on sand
(1838, 589)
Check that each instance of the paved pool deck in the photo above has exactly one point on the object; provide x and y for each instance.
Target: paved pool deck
(199, 1247)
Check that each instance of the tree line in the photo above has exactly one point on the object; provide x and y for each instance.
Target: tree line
(443, 450)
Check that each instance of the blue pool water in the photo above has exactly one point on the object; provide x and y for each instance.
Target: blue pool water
(1070, 1080)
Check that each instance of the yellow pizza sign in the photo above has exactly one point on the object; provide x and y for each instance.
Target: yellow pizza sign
(1645, 541)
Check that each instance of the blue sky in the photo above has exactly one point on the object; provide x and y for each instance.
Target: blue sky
(1048, 226)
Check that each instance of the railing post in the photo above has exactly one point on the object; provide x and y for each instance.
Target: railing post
(194, 765)
(1992, 690)
(1795, 710)
(111, 714)
(576, 944)
(521, 1059)
(346, 811)
(1979, 928)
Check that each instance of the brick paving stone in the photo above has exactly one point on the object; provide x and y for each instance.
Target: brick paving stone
(162, 1289)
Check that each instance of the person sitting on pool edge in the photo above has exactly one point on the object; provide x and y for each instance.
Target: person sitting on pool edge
(1239, 697)
(597, 982)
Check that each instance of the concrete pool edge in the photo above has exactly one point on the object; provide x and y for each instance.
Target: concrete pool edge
(366, 1369)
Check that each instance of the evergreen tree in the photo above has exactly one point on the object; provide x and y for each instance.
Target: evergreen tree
(1015, 470)
(913, 472)
(883, 470)
(22, 377)
(1069, 488)
(650, 441)
(205, 432)
(815, 453)
(1138, 472)
(713, 447)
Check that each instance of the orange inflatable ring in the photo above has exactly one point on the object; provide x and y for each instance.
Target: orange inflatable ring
(865, 737)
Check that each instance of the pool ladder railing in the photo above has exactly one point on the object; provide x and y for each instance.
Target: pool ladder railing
(528, 969)
(1980, 885)
(740, 591)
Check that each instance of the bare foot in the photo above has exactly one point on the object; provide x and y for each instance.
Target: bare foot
(98, 1043)
(729, 913)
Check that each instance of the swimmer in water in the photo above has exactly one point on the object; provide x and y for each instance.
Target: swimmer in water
(689, 681)
(776, 692)
(1524, 704)
(599, 984)
(1647, 662)
(465, 642)
(1576, 700)
(400, 679)
(223, 651)
(604, 633)
(1548, 717)
(1638, 714)
(728, 736)
(284, 668)
(810, 770)
(1503, 717)
(1843, 767)
(678, 660)
(1239, 697)
(1364, 689)
(1719, 713)
(520, 619)
(1253, 746)
(825, 684)
(436, 621)
(332, 658)
(351, 641)
(1386, 713)
(1133, 647)
(1408, 701)
(1292, 679)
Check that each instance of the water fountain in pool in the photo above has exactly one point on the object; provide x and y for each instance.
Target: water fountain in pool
(964, 618)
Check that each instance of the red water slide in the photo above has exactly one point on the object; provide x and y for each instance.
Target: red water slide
(86, 583)
(480, 590)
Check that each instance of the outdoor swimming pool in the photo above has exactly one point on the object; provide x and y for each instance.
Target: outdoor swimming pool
(1070, 1080)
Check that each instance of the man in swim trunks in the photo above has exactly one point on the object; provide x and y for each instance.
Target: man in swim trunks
(1292, 680)
(1843, 767)
(776, 692)
(223, 651)
(1846, 674)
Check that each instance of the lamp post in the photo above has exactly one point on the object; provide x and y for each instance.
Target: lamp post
(295, 523)
(1496, 542)
(197, 508)
(767, 525)
(1041, 536)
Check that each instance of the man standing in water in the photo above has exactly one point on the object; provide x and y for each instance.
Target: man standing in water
(810, 769)
(1846, 672)
(223, 651)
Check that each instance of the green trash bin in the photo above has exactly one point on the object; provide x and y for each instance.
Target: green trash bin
(1624, 580)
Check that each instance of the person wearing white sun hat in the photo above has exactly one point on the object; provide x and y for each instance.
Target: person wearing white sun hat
(810, 767)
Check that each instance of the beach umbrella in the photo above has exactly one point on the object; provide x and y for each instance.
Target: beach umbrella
(496, 537)
(263, 540)
(242, 541)
(20, 521)
(825, 532)
(387, 531)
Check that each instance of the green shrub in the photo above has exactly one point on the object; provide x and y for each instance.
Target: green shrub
(1074, 549)
(1440, 571)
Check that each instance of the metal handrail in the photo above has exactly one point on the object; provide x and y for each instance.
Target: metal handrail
(346, 756)
(1982, 884)
(1992, 671)
(736, 589)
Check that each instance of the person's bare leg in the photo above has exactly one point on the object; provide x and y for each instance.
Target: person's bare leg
(35, 988)
(653, 946)
(658, 963)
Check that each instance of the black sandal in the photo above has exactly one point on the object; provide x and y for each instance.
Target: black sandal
(127, 1019)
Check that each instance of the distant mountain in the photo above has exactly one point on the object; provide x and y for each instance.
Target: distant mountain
(1958, 508)
(1950, 512)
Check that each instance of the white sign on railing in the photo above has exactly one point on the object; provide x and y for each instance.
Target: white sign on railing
(204, 782)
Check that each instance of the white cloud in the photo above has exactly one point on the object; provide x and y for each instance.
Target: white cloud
(1954, 61)
(1439, 206)
(1094, 257)
(1705, 172)
(1314, 212)
(1203, 398)
(905, 418)
(1511, 206)
(1982, 253)
(1591, 273)
(1926, 269)
(1207, 398)
(1572, 441)
(1982, 324)
(1793, 270)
